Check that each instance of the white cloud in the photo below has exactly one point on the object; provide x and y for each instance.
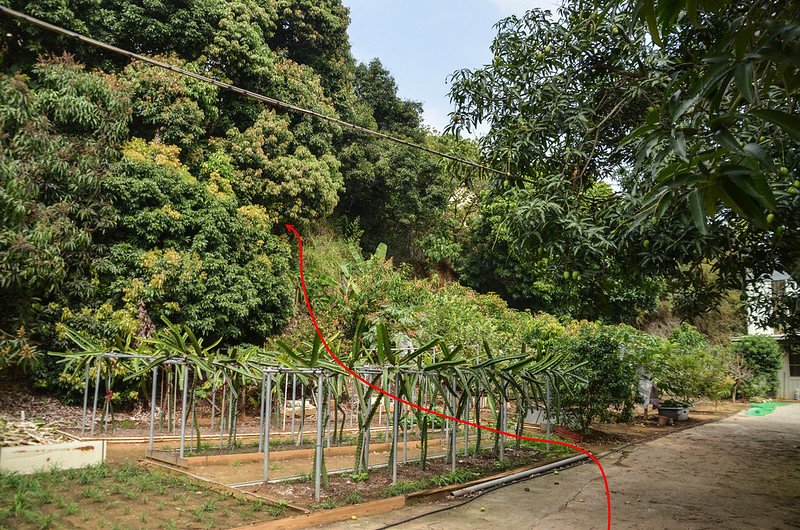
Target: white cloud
(507, 8)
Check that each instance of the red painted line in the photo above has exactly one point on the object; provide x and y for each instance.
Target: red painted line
(292, 229)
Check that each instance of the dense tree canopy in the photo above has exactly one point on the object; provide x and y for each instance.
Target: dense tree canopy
(58, 130)
(652, 150)
(701, 156)
(132, 193)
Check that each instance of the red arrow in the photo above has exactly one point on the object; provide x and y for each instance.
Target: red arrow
(292, 229)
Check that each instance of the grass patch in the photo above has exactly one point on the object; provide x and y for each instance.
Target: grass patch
(112, 497)
(402, 487)
(453, 477)
(327, 504)
(353, 497)
(278, 509)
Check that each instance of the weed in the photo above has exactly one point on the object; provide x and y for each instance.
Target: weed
(401, 487)
(71, 508)
(207, 506)
(44, 496)
(360, 477)
(92, 493)
(278, 509)
(20, 505)
(236, 463)
(453, 477)
(503, 465)
(39, 520)
(168, 525)
(91, 474)
(354, 497)
(327, 504)
(125, 424)
(161, 506)
(45, 521)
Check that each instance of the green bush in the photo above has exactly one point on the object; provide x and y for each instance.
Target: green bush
(686, 367)
(761, 353)
(762, 356)
(609, 377)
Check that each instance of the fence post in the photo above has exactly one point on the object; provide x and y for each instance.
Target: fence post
(183, 406)
(267, 425)
(153, 405)
(96, 392)
(318, 463)
(547, 407)
(85, 398)
(396, 418)
(261, 412)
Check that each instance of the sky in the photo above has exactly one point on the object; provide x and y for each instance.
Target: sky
(422, 42)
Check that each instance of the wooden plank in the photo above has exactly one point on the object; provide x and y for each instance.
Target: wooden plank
(331, 516)
(69, 455)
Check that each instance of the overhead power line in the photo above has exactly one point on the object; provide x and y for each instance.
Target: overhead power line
(242, 91)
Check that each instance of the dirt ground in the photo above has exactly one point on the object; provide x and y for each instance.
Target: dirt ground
(739, 472)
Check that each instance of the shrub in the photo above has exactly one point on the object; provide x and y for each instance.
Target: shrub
(686, 367)
(762, 359)
(761, 353)
(688, 374)
(609, 378)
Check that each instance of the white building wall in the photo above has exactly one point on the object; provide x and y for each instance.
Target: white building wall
(788, 385)
(764, 287)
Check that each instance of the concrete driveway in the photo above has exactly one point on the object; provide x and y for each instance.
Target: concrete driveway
(740, 472)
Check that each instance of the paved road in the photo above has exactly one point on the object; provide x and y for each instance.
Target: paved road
(740, 472)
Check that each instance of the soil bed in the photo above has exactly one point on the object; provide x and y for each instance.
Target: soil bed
(280, 442)
(122, 496)
(348, 488)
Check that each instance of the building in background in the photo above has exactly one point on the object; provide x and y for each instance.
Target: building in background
(777, 286)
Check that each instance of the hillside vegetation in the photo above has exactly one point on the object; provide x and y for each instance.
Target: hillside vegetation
(133, 196)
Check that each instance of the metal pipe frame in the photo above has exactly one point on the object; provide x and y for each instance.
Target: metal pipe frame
(85, 398)
(183, 408)
(268, 416)
(318, 455)
(98, 366)
(153, 406)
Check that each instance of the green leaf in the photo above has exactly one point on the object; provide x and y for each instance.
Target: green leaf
(743, 76)
(649, 15)
(691, 11)
(788, 122)
(742, 41)
(678, 143)
(698, 211)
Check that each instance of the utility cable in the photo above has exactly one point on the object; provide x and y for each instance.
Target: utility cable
(244, 92)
